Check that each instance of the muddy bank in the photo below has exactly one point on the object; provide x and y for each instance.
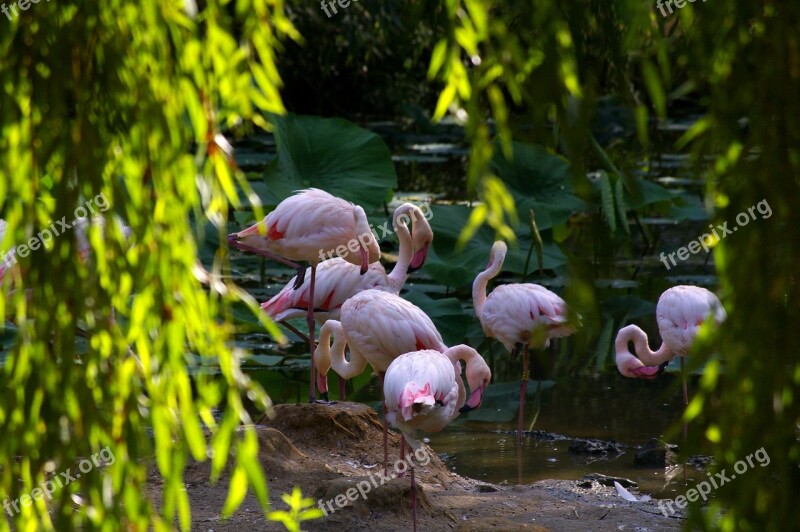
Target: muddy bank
(335, 451)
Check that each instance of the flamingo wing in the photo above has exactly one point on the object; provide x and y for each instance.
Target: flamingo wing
(517, 313)
(336, 281)
(680, 312)
(309, 223)
(421, 393)
(383, 326)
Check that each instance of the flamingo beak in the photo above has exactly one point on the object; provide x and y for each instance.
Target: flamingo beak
(419, 259)
(474, 401)
(650, 372)
(364, 260)
(322, 383)
(241, 241)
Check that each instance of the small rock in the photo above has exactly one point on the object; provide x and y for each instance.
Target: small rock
(655, 453)
(595, 447)
(606, 480)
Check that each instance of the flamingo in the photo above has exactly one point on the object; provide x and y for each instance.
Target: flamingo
(680, 312)
(338, 280)
(304, 227)
(378, 327)
(423, 390)
(518, 315)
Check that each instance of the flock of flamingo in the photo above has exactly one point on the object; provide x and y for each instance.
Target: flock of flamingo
(358, 303)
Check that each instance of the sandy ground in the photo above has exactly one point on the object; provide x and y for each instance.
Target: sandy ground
(330, 449)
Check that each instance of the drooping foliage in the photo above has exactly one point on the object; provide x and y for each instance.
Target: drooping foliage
(124, 104)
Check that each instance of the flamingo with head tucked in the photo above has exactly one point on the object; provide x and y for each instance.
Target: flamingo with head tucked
(306, 227)
(423, 390)
(680, 312)
(378, 327)
(519, 315)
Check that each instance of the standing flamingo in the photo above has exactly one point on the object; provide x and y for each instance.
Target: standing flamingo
(518, 315)
(338, 280)
(378, 327)
(423, 390)
(680, 312)
(307, 226)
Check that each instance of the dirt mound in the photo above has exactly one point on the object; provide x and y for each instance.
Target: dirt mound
(335, 454)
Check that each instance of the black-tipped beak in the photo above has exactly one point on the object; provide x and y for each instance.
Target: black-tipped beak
(474, 401)
(233, 238)
(419, 259)
(662, 367)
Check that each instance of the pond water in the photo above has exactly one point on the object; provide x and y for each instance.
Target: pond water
(600, 404)
(482, 444)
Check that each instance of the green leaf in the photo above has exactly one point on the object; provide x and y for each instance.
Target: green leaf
(456, 267)
(236, 492)
(538, 180)
(607, 201)
(654, 88)
(604, 344)
(622, 211)
(449, 316)
(332, 154)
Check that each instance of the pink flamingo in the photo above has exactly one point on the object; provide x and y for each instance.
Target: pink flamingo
(338, 280)
(423, 390)
(680, 312)
(518, 315)
(378, 327)
(306, 227)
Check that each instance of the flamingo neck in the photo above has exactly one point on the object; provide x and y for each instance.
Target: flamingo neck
(640, 344)
(400, 271)
(479, 285)
(347, 369)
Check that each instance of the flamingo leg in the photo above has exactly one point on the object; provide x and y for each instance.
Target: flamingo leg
(523, 390)
(271, 256)
(342, 388)
(311, 343)
(414, 497)
(685, 388)
(295, 331)
(385, 432)
(685, 424)
(402, 452)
